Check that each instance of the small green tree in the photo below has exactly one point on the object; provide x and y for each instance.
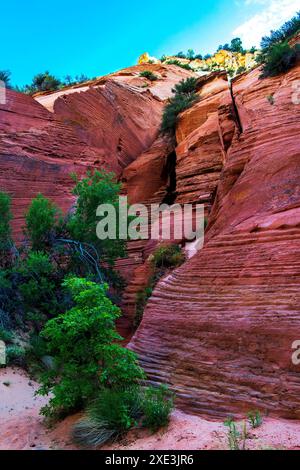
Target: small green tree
(43, 82)
(96, 189)
(41, 220)
(83, 343)
(5, 219)
(5, 77)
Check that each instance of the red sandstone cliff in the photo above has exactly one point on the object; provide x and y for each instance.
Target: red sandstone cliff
(219, 330)
(102, 124)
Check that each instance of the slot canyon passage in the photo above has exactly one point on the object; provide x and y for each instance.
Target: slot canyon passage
(219, 329)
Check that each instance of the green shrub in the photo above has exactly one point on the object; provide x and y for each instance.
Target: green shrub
(5, 219)
(43, 82)
(279, 59)
(96, 189)
(5, 335)
(186, 87)
(5, 77)
(41, 220)
(179, 64)
(184, 97)
(15, 355)
(168, 256)
(39, 288)
(157, 405)
(176, 105)
(149, 75)
(82, 342)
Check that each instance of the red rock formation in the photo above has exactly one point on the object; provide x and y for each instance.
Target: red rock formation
(103, 124)
(200, 136)
(220, 329)
(38, 153)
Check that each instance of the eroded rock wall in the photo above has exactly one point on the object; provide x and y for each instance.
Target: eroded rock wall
(220, 329)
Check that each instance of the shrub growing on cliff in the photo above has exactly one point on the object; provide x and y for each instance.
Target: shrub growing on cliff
(286, 32)
(184, 97)
(86, 358)
(179, 64)
(149, 75)
(168, 256)
(5, 77)
(5, 219)
(43, 82)
(279, 59)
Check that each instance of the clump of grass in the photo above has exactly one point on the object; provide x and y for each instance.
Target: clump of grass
(157, 405)
(149, 75)
(255, 419)
(236, 437)
(116, 411)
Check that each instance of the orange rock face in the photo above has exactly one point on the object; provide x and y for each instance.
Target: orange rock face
(220, 329)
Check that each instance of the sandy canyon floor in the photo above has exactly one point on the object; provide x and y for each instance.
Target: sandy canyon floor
(23, 428)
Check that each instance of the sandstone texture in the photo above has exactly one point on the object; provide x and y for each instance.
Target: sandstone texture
(220, 329)
(106, 124)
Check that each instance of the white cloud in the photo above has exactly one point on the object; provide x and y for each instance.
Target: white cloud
(273, 14)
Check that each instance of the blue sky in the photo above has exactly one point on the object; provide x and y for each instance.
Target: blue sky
(97, 37)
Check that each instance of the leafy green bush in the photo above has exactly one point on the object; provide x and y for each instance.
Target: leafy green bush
(5, 219)
(43, 82)
(279, 59)
(184, 97)
(149, 75)
(167, 256)
(39, 288)
(157, 405)
(82, 342)
(41, 220)
(96, 189)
